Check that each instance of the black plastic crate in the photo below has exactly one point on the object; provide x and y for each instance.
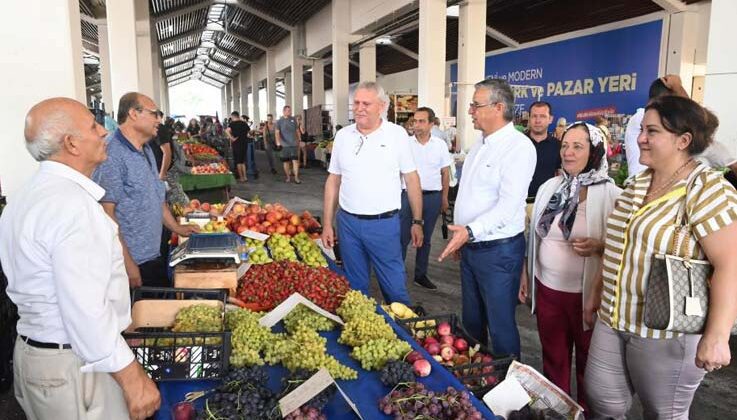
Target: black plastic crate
(167, 355)
(478, 377)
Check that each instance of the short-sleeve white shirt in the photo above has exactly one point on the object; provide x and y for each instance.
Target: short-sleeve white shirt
(370, 167)
(430, 159)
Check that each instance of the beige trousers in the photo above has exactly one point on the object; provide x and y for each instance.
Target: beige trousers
(49, 385)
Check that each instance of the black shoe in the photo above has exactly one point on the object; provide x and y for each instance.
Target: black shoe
(425, 282)
(273, 171)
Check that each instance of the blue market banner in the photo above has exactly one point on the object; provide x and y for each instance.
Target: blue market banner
(605, 73)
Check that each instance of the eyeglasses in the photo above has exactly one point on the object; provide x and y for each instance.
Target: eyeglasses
(360, 145)
(152, 112)
(475, 106)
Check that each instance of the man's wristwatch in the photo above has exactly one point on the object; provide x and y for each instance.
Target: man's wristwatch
(418, 222)
(471, 238)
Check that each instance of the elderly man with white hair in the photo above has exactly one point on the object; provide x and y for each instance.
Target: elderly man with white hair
(369, 158)
(65, 270)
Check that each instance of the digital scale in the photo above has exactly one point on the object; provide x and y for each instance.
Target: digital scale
(210, 246)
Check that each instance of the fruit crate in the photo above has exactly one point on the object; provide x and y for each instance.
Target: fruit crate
(180, 356)
(480, 376)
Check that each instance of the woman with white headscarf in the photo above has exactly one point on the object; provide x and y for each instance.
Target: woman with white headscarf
(564, 250)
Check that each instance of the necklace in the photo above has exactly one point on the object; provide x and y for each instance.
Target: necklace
(670, 181)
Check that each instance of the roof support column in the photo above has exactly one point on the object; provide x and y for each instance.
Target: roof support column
(431, 63)
(236, 98)
(297, 63)
(682, 40)
(143, 44)
(341, 18)
(367, 61)
(471, 64)
(105, 81)
(164, 93)
(288, 90)
(224, 100)
(243, 84)
(228, 99)
(318, 82)
(37, 72)
(270, 84)
(255, 95)
(156, 65)
(721, 70)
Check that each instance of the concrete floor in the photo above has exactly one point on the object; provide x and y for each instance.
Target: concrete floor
(715, 398)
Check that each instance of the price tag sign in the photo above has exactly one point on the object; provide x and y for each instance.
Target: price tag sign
(284, 308)
(308, 390)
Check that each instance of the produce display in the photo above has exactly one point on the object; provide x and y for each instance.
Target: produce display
(270, 284)
(196, 148)
(310, 253)
(214, 210)
(259, 255)
(215, 226)
(248, 338)
(302, 315)
(414, 401)
(210, 168)
(243, 394)
(372, 338)
(397, 372)
(281, 249)
(270, 219)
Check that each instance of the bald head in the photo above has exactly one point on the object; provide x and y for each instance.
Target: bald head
(48, 122)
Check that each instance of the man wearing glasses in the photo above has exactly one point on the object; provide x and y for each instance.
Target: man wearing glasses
(490, 218)
(134, 194)
(368, 160)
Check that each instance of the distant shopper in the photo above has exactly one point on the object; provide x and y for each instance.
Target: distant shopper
(490, 218)
(161, 145)
(134, 194)
(433, 165)
(547, 147)
(64, 264)
(626, 357)
(237, 132)
(369, 158)
(269, 136)
(286, 137)
(302, 141)
(560, 128)
(193, 128)
(564, 248)
(437, 132)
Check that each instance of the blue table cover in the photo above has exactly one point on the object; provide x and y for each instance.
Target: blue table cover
(365, 392)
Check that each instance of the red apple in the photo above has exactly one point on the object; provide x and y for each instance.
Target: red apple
(447, 340)
(183, 411)
(444, 329)
(266, 224)
(279, 215)
(281, 229)
(413, 356)
(422, 367)
(271, 217)
(300, 229)
(429, 340)
(270, 230)
(447, 353)
(433, 348)
(460, 344)
(205, 207)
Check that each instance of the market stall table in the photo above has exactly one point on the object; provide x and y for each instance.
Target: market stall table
(213, 187)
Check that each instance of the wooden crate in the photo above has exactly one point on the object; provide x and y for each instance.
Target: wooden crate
(208, 276)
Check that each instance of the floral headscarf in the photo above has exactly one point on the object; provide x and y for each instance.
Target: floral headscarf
(565, 198)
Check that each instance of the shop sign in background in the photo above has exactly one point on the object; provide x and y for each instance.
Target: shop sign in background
(604, 73)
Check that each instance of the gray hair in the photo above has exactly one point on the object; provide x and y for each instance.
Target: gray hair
(499, 92)
(46, 139)
(369, 85)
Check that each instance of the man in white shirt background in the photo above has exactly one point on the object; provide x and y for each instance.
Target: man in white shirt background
(65, 269)
(367, 163)
(489, 217)
(433, 165)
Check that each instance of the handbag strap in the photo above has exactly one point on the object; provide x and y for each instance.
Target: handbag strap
(682, 231)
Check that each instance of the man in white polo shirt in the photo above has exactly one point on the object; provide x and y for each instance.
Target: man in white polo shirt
(433, 165)
(490, 218)
(368, 160)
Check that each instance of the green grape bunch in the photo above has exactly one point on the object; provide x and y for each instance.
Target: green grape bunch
(359, 331)
(302, 315)
(356, 305)
(376, 353)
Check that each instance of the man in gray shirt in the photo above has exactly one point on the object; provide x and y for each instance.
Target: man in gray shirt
(286, 137)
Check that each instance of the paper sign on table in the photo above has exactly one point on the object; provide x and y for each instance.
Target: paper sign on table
(309, 389)
(233, 201)
(284, 308)
(327, 251)
(506, 397)
(255, 235)
(242, 269)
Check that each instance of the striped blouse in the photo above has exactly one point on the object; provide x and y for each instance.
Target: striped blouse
(637, 232)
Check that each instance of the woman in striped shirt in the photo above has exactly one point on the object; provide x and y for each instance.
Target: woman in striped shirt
(625, 356)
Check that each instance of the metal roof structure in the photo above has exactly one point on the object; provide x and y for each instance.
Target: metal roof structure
(213, 40)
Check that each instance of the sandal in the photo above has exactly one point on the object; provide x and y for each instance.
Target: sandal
(297, 181)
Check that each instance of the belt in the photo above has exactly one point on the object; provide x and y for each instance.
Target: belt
(40, 345)
(374, 216)
(430, 192)
(530, 200)
(493, 242)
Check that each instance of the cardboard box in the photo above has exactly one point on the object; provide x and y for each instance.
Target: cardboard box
(209, 276)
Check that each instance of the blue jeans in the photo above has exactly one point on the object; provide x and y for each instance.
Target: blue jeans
(430, 212)
(365, 243)
(489, 287)
(251, 160)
